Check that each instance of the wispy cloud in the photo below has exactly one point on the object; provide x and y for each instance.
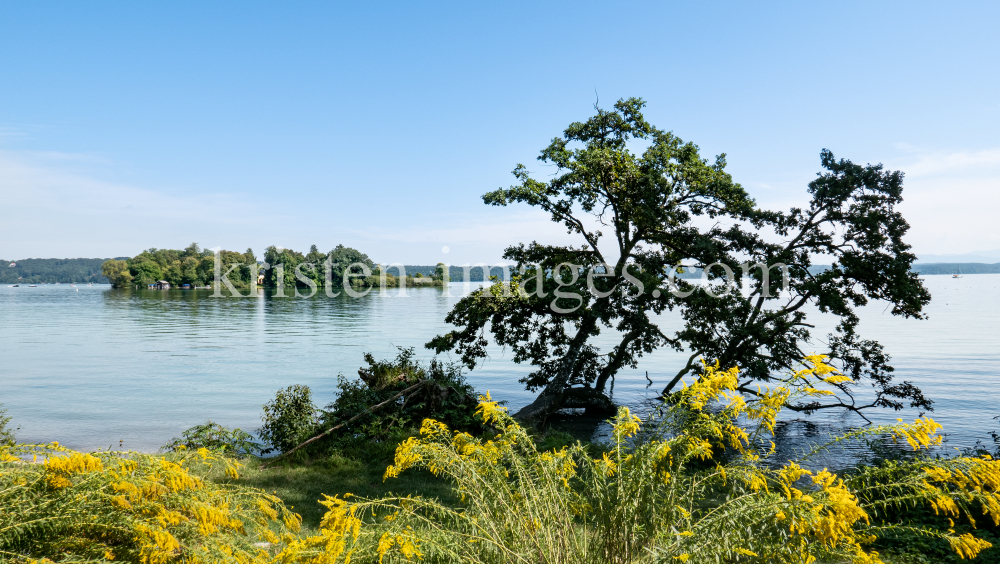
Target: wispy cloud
(955, 163)
(57, 205)
(951, 199)
(49, 209)
(60, 205)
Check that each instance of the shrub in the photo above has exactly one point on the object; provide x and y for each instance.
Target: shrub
(132, 507)
(216, 438)
(661, 493)
(6, 433)
(289, 419)
(447, 398)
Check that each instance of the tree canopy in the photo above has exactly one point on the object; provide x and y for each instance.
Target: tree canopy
(51, 271)
(279, 267)
(666, 208)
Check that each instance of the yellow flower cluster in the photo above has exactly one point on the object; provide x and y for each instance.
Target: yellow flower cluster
(968, 546)
(828, 514)
(406, 543)
(138, 507)
(967, 480)
(625, 425)
(59, 469)
(816, 366)
(489, 410)
(920, 433)
(338, 530)
(710, 385)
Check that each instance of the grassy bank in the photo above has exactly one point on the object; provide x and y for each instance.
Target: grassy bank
(689, 485)
(302, 484)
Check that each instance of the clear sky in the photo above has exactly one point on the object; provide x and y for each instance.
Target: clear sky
(378, 125)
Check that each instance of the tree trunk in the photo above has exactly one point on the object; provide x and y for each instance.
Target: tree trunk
(594, 401)
(615, 364)
(550, 400)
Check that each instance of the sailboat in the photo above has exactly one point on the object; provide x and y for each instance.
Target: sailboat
(959, 275)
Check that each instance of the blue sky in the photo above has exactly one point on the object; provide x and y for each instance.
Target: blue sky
(125, 126)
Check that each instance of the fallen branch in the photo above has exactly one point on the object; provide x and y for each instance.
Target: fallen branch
(351, 420)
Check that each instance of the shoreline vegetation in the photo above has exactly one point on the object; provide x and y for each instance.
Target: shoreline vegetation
(342, 267)
(471, 484)
(52, 271)
(88, 271)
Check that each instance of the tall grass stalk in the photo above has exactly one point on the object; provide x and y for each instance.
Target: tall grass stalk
(695, 487)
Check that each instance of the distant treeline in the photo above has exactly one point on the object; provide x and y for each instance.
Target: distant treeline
(456, 273)
(51, 271)
(197, 267)
(940, 268)
(957, 268)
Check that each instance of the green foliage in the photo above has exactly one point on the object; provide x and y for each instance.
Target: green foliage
(196, 266)
(289, 419)
(316, 268)
(655, 204)
(455, 273)
(909, 519)
(356, 468)
(6, 433)
(440, 273)
(661, 492)
(888, 462)
(191, 265)
(216, 438)
(117, 272)
(51, 271)
(449, 398)
(132, 507)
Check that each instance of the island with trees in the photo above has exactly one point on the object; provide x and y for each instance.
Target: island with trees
(278, 268)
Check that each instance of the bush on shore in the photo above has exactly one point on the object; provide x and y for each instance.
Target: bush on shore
(6, 433)
(689, 485)
(291, 417)
(217, 439)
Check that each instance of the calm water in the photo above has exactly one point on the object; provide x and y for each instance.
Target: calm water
(91, 367)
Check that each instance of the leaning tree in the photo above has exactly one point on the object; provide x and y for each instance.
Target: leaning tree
(756, 264)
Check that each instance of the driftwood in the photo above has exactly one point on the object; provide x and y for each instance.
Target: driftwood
(436, 395)
(351, 420)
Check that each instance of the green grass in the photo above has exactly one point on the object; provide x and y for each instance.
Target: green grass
(301, 483)
(358, 469)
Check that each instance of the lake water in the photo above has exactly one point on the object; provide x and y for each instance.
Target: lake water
(93, 367)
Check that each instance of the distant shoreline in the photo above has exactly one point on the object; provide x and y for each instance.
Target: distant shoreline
(87, 271)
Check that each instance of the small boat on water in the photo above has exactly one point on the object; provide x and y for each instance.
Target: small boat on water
(33, 286)
(14, 286)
